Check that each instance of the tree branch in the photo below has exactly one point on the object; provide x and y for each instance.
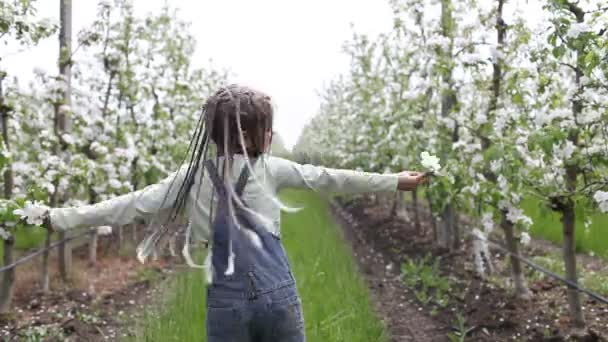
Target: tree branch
(603, 9)
(570, 66)
(577, 11)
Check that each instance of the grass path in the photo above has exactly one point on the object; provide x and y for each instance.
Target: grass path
(335, 298)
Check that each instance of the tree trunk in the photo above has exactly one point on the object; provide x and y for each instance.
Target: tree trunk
(398, 209)
(381, 199)
(93, 248)
(444, 228)
(155, 253)
(8, 277)
(519, 281)
(569, 249)
(429, 199)
(416, 213)
(455, 228)
(568, 206)
(134, 233)
(394, 208)
(65, 257)
(93, 238)
(45, 277)
(4, 111)
(172, 243)
(447, 235)
(120, 238)
(62, 119)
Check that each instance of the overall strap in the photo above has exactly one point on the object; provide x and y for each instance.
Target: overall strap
(215, 178)
(243, 177)
(219, 184)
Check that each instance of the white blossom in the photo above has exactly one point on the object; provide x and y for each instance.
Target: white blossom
(488, 222)
(33, 212)
(525, 239)
(474, 188)
(495, 165)
(564, 151)
(50, 187)
(69, 139)
(576, 29)
(4, 234)
(496, 54)
(115, 183)
(430, 162)
(481, 252)
(601, 197)
(502, 183)
(516, 215)
(98, 148)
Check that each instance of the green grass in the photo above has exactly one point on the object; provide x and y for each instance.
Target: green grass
(593, 280)
(27, 238)
(547, 225)
(336, 301)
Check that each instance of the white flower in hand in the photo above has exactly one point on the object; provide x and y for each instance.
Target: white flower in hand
(33, 212)
(430, 162)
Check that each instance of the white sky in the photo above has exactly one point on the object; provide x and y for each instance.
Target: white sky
(289, 49)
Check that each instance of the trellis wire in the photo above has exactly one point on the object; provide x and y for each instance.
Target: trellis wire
(526, 261)
(42, 250)
(541, 269)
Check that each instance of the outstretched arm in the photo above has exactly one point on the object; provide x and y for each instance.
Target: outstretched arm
(122, 209)
(293, 175)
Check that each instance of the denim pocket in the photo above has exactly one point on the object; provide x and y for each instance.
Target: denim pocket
(225, 323)
(288, 314)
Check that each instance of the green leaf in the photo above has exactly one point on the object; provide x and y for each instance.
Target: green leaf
(592, 59)
(518, 99)
(558, 51)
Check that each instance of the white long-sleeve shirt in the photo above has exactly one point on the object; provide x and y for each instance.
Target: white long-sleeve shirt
(271, 173)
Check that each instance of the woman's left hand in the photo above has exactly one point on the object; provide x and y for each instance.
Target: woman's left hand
(409, 180)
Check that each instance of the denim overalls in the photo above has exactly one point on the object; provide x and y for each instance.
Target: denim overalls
(259, 301)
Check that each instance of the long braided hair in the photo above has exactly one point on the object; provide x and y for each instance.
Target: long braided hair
(234, 120)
